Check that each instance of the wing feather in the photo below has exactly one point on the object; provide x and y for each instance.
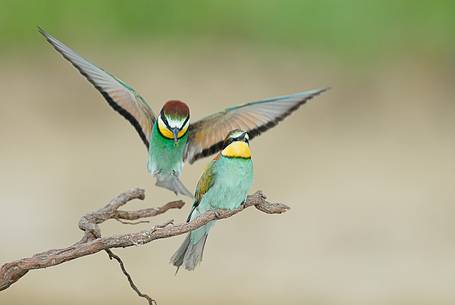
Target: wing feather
(204, 184)
(120, 96)
(206, 136)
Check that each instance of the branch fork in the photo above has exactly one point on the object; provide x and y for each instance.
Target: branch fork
(92, 241)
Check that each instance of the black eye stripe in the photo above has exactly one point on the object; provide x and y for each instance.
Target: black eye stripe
(186, 120)
(163, 117)
(242, 138)
(227, 142)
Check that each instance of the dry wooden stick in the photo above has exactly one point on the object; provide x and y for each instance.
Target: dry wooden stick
(92, 241)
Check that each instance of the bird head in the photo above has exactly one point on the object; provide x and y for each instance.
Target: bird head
(174, 120)
(236, 145)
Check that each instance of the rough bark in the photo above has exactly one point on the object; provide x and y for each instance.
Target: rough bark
(92, 241)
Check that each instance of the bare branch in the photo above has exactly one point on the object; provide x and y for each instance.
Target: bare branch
(125, 222)
(92, 242)
(130, 279)
(133, 215)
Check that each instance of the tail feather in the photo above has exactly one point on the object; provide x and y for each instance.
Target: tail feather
(174, 184)
(194, 253)
(189, 254)
(179, 255)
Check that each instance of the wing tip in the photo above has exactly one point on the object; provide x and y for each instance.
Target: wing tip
(63, 50)
(318, 91)
(51, 39)
(40, 29)
(310, 94)
(321, 90)
(43, 32)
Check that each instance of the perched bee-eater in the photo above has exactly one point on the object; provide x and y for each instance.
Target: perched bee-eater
(170, 138)
(223, 185)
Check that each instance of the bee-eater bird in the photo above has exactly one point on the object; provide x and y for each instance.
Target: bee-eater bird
(223, 185)
(170, 138)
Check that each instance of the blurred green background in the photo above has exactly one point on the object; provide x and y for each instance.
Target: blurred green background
(368, 168)
(351, 28)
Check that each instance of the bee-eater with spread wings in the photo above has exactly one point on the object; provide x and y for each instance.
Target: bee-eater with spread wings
(169, 137)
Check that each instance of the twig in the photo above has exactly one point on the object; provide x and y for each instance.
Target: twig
(132, 222)
(128, 276)
(92, 242)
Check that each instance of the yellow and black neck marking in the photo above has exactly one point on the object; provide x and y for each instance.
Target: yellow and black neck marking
(166, 130)
(236, 145)
(237, 149)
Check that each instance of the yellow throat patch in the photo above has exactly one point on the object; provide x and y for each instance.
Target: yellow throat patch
(167, 133)
(237, 149)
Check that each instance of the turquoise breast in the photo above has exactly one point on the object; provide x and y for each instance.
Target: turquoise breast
(165, 155)
(233, 179)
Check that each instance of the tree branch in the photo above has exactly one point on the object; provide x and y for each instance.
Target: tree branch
(130, 279)
(92, 242)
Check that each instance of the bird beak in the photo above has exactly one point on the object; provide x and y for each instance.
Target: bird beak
(176, 133)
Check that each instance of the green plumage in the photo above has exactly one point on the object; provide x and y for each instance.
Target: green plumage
(224, 185)
(165, 156)
(166, 162)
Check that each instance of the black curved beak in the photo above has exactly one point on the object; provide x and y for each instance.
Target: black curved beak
(175, 131)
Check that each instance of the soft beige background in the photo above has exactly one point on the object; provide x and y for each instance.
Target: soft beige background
(368, 168)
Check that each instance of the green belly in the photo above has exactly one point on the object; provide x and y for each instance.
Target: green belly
(165, 156)
(233, 179)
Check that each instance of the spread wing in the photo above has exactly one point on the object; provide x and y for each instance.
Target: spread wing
(206, 136)
(120, 96)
